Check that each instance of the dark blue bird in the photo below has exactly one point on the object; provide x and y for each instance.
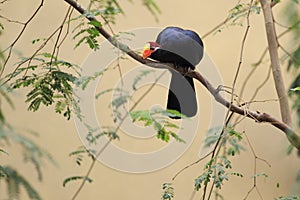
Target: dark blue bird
(183, 48)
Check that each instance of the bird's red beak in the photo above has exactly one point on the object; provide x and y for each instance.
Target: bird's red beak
(147, 53)
(149, 48)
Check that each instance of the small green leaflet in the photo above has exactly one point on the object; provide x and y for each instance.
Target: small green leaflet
(95, 23)
(3, 151)
(75, 178)
(295, 89)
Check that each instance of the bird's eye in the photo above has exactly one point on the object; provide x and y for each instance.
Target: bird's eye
(154, 48)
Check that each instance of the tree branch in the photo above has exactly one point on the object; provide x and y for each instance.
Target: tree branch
(10, 47)
(292, 136)
(273, 51)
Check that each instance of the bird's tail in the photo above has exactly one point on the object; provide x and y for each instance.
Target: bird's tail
(182, 95)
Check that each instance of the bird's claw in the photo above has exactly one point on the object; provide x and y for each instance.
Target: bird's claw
(187, 70)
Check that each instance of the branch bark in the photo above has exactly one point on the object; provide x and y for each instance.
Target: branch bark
(273, 51)
(292, 136)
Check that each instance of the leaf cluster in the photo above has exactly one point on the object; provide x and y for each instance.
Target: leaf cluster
(239, 12)
(139, 77)
(95, 133)
(31, 152)
(88, 35)
(48, 83)
(216, 171)
(14, 181)
(87, 32)
(168, 191)
(107, 9)
(76, 178)
(231, 139)
(159, 120)
(80, 153)
(152, 7)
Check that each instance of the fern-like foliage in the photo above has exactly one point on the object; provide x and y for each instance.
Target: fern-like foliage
(108, 9)
(140, 77)
(159, 119)
(31, 152)
(215, 171)
(89, 35)
(14, 181)
(3, 173)
(80, 153)
(152, 6)
(231, 139)
(168, 191)
(76, 178)
(50, 82)
(219, 168)
(95, 133)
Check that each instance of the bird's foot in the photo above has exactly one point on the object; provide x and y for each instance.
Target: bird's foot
(176, 65)
(187, 70)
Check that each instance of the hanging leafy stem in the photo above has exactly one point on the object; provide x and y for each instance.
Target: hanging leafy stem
(159, 119)
(168, 191)
(32, 153)
(51, 81)
(89, 35)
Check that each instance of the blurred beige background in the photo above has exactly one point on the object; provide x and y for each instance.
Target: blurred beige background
(59, 136)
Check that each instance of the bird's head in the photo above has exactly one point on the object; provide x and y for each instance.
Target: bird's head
(149, 48)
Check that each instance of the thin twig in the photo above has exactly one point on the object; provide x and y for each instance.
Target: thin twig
(10, 47)
(257, 101)
(60, 29)
(30, 59)
(255, 170)
(190, 165)
(292, 57)
(249, 192)
(118, 56)
(11, 20)
(94, 159)
(216, 28)
(242, 50)
(261, 85)
(66, 33)
(224, 22)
